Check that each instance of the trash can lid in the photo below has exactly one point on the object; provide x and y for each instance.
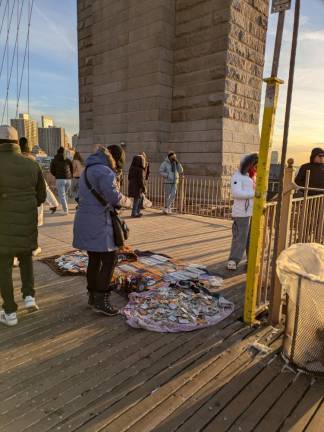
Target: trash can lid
(303, 259)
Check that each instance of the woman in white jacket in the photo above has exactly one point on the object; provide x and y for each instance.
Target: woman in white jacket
(243, 190)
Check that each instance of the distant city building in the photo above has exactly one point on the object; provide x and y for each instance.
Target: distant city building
(75, 139)
(39, 152)
(51, 139)
(47, 122)
(274, 157)
(26, 127)
(67, 144)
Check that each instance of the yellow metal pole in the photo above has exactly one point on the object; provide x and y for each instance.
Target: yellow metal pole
(257, 224)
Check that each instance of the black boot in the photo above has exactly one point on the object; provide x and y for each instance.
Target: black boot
(102, 304)
(90, 299)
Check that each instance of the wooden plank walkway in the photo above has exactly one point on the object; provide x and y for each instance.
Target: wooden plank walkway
(68, 369)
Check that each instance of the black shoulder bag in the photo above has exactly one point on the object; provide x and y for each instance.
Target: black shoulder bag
(120, 228)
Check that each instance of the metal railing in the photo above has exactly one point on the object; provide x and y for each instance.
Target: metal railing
(306, 226)
(201, 196)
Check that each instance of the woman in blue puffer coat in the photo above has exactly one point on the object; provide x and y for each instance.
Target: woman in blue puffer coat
(93, 231)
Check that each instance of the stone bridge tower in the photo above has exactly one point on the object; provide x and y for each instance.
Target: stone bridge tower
(184, 75)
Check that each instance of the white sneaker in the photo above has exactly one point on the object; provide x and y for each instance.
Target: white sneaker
(30, 304)
(165, 211)
(9, 320)
(37, 251)
(231, 265)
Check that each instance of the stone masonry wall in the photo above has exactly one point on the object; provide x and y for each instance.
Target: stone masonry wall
(243, 83)
(172, 74)
(202, 31)
(132, 68)
(85, 46)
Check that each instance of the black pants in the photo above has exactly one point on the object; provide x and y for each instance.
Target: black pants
(100, 271)
(6, 284)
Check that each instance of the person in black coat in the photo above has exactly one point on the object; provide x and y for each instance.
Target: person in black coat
(316, 168)
(136, 183)
(62, 169)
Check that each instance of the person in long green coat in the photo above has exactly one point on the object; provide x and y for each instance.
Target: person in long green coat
(22, 190)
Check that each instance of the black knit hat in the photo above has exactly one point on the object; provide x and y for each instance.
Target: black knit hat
(316, 152)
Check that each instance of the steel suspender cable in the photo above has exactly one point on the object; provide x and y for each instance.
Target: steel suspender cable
(18, 48)
(11, 67)
(7, 39)
(4, 16)
(8, 49)
(25, 56)
(28, 59)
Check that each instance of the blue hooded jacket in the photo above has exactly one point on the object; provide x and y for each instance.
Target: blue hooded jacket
(93, 229)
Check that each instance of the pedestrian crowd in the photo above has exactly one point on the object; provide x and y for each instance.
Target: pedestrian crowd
(96, 185)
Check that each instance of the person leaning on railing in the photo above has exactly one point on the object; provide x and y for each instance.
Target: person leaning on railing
(316, 169)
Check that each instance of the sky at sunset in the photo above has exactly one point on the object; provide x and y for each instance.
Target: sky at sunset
(54, 87)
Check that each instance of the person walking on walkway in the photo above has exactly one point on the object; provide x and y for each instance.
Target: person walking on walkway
(119, 156)
(93, 230)
(22, 190)
(50, 197)
(62, 169)
(78, 167)
(316, 168)
(136, 184)
(171, 170)
(243, 191)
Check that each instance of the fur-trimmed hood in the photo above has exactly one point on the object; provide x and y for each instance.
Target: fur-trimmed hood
(101, 157)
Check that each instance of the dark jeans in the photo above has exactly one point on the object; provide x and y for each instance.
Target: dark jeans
(100, 271)
(137, 206)
(6, 284)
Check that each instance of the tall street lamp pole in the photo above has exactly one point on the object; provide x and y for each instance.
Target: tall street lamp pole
(257, 223)
(275, 301)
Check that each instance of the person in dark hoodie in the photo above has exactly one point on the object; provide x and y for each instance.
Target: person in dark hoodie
(93, 229)
(62, 169)
(243, 191)
(119, 157)
(316, 168)
(136, 184)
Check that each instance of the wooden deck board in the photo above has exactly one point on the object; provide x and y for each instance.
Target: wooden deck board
(160, 367)
(68, 369)
(317, 422)
(305, 410)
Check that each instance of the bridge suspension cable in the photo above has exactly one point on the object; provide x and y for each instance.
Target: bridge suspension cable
(12, 63)
(15, 49)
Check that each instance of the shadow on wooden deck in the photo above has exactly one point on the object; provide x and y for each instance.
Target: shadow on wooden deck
(68, 369)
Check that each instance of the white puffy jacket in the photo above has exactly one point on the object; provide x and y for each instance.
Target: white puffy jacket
(243, 193)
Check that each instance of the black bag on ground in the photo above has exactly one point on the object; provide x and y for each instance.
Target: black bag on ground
(120, 228)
